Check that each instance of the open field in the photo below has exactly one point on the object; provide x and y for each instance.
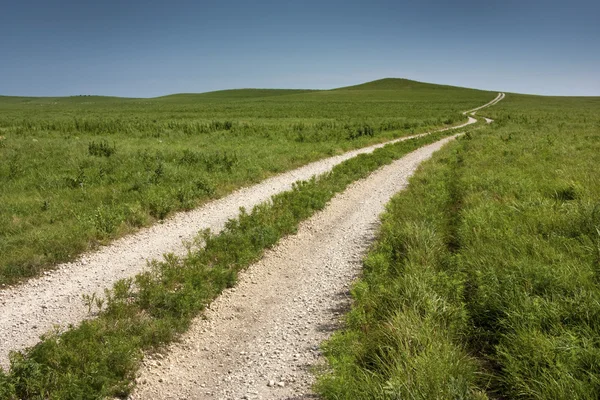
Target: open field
(44, 302)
(100, 356)
(484, 281)
(80, 171)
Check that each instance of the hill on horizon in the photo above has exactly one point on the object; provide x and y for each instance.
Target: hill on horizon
(376, 85)
(246, 93)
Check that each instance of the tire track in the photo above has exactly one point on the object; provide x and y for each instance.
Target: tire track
(260, 339)
(54, 299)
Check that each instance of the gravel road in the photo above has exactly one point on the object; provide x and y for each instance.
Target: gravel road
(55, 299)
(491, 103)
(260, 339)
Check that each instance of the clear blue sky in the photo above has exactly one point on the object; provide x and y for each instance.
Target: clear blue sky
(149, 48)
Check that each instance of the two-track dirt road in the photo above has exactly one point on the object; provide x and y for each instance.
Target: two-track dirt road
(259, 337)
(55, 299)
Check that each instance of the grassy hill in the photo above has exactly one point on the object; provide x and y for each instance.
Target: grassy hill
(395, 84)
(232, 94)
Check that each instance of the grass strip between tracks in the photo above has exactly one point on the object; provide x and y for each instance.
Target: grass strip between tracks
(484, 281)
(100, 357)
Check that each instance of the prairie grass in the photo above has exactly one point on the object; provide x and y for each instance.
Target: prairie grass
(100, 357)
(80, 171)
(483, 282)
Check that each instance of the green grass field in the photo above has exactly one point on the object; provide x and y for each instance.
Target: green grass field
(100, 357)
(484, 282)
(485, 279)
(80, 171)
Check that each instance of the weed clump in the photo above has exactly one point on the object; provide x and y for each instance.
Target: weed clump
(101, 149)
(568, 193)
(361, 131)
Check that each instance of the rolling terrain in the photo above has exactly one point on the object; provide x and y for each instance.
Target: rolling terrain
(78, 172)
(33, 358)
(481, 281)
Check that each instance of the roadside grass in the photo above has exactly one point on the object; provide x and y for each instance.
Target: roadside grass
(484, 280)
(100, 357)
(80, 171)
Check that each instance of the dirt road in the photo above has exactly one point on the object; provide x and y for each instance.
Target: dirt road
(260, 339)
(55, 299)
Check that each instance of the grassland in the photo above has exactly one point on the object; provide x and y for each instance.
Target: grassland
(100, 357)
(83, 170)
(484, 281)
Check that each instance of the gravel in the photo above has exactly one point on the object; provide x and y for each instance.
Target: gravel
(54, 300)
(260, 339)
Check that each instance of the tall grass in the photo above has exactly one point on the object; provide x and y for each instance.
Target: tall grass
(484, 280)
(403, 337)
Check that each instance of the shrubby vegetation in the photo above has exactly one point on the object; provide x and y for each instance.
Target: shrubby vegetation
(484, 281)
(81, 171)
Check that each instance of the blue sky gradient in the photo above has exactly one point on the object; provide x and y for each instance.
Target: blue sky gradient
(151, 48)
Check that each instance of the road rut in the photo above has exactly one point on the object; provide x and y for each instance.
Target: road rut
(260, 339)
(55, 299)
